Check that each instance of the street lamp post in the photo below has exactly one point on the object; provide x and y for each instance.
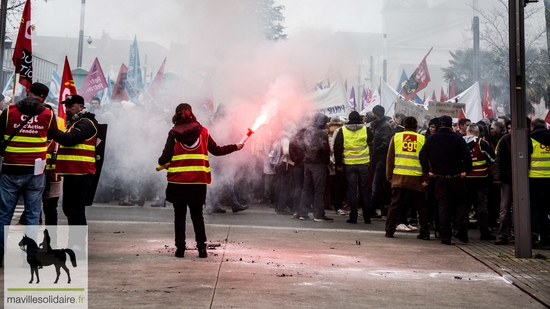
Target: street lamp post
(81, 34)
(3, 21)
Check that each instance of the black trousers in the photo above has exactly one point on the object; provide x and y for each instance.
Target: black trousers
(418, 198)
(75, 189)
(453, 206)
(49, 206)
(180, 214)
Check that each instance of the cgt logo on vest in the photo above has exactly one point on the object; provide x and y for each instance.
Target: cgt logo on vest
(33, 119)
(545, 149)
(410, 142)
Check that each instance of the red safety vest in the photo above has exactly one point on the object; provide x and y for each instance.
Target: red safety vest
(78, 159)
(189, 164)
(30, 143)
(480, 168)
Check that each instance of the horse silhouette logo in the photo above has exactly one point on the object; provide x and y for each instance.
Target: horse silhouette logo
(43, 255)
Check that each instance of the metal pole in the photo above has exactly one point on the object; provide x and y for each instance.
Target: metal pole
(520, 156)
(81, 35)
(475, 29)
(3, 20)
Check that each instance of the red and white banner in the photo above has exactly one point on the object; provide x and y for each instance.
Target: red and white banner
(418, 80)
(22, 54)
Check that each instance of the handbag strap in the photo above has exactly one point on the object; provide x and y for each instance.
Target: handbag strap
(18, 129)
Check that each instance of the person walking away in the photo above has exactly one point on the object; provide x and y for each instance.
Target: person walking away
(186, 150)
(477, 180)
(351, 154)
(446, 156)
(23, 150)
(404, 172)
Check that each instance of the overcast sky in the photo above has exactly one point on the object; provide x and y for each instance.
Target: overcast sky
(161, 20)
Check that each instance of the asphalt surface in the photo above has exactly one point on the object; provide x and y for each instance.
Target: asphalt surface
(258, 259)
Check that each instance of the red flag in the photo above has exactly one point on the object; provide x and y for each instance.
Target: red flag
(461, 116)
(418, 80)
(434, 98)
(119, 92)
(487, 110)
(157, 82)
(452, 90)
(547, 119)
(66, 89)
(22, 54)
(442, 97)
(94, 82)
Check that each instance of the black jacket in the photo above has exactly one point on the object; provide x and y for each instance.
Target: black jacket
(503, 160)
(382, 133)
(541, 135)
(82, 130)
(317, 149)
(445, 153)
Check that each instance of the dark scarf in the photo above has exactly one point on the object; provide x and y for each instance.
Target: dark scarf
(76, 117)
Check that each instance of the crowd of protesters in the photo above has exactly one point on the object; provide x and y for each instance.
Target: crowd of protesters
(435, 176)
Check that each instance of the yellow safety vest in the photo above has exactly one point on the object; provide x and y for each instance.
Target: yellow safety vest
(356, 150)
(407, 147)
(540, 161)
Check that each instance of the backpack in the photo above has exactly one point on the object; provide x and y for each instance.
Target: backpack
(296, 150)
(275, 156)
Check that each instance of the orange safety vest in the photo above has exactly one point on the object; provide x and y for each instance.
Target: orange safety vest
(78, 159)
(189, 164)
(30, 143)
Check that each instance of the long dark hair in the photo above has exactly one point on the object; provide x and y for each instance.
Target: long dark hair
(184, 114)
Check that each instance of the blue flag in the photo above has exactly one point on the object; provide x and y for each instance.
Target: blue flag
(135, 77)
(55, 86)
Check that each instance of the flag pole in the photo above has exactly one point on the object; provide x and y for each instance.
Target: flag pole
(13, 90)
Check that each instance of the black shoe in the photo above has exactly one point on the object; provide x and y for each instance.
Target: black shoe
(202, 253)
(501, 241)
(217, 210)
(389, 235)
(351, 221)
(446, 241)
(285, 212)
(487, 236)
(180, 253)
(240, 208)
(367, 221)
(323, 219)
(463, 238)
(423, 237)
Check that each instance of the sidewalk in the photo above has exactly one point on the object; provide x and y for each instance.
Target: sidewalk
(303, 264)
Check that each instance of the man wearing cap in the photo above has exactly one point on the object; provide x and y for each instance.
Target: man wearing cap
(447, 157)
(76, 158)
(26, 147)
(351, 154)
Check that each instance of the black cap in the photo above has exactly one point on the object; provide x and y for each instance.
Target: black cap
(39, 89)
(379, 111)
(73, 99)
(448, 121)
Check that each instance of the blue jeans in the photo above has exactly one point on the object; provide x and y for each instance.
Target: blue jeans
(11, 187)
(357, 176)
(315, 175)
